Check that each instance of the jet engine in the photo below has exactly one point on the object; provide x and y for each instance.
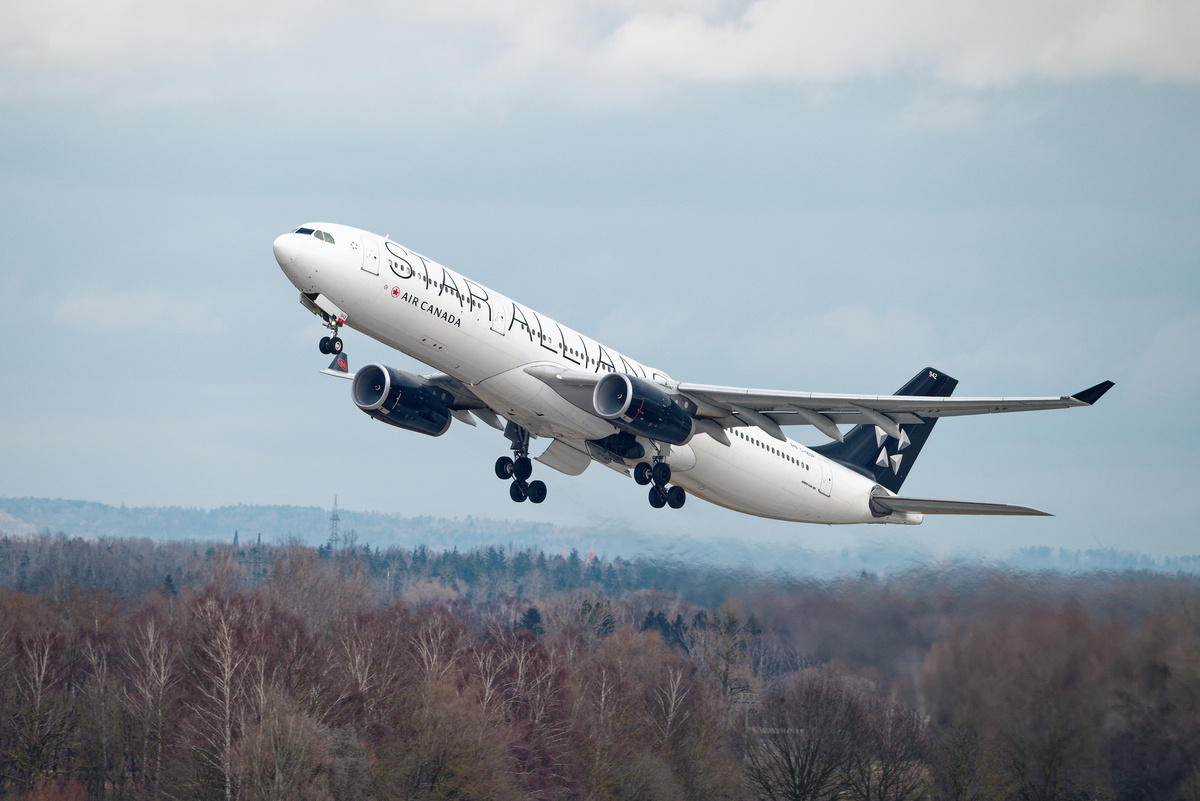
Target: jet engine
(641, 407)
(402, 399)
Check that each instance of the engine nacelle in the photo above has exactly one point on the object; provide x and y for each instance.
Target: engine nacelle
(401, 399)
(641, 407)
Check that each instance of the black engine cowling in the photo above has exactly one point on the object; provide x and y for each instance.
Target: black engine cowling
(401, 399)
(641, 407)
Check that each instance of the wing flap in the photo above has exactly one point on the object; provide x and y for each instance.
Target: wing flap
(565, 458)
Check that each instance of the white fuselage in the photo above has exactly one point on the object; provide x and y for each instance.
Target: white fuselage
(486, 340)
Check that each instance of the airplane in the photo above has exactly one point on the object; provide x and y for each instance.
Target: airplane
(519, 371)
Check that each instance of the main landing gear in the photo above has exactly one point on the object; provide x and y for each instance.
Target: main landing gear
(520, 467)
(659, 476)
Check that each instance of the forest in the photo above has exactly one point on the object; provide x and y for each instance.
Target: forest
(135, 669)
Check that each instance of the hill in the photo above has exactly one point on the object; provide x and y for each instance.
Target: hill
(311, 525)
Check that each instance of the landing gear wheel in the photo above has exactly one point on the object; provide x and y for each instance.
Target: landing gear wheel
(675, 497)
(324, 345)
(661, 474)
(335, 345)
(536, 491)
(641, 473)
(658, 498)
(504, 468)
(518, 491)
(522, 468)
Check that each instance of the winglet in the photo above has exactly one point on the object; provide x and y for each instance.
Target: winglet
(1093, 394)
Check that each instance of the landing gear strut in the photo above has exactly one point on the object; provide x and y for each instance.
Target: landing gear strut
(520, 467)
(659, 475)
(333, 344)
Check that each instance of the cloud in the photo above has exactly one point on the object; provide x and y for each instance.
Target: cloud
(109, 312)
(972, 43)
(602, 51)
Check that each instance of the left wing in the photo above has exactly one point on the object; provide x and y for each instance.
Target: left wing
(729, 407)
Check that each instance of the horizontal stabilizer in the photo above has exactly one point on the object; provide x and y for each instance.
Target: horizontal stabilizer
(893, 503)
(339, 367)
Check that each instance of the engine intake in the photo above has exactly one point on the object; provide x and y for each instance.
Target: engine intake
(402, 399)
(641, 407)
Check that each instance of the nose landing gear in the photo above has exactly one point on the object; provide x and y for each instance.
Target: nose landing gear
(660, 476)
(520, 468)
(333, 344)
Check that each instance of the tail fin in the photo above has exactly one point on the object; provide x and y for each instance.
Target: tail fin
(870, 451)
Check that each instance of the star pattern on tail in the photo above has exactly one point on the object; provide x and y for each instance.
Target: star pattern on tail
(894, 459)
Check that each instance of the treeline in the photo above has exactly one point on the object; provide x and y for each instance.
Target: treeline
(130, 669)
(131, 567)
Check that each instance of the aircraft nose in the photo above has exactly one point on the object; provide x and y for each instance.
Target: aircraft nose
(285, 248)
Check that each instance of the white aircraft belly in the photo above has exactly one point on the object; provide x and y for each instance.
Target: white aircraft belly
(748, 478)
(530, 403)
(741, 477)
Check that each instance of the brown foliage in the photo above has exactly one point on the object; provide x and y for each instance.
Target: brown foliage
(1032, 686)
(57, 790)
(311, 685)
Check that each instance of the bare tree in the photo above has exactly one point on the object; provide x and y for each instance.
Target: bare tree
(437, 646)
(223, 660)
(800, 741)
(151, 672)
(722, 645)
(371, 653)
(283, 754)
(41, 722)
(315, 590)
(1036, 682)
(670, 709)
(103, 736)
(888, 760)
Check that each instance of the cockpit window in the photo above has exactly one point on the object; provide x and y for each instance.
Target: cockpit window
(321, 235)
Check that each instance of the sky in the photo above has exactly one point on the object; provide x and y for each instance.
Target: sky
(795, 195)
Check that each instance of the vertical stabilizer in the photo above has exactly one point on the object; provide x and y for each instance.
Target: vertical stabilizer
(867, 449)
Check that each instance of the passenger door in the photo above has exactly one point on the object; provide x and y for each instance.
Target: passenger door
(370, 256)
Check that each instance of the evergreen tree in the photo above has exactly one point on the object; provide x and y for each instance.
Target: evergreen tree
(532, 621)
